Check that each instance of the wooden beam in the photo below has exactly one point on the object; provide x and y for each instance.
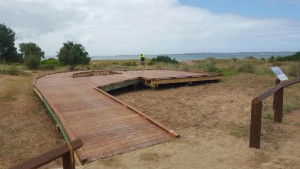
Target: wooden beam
(171, 132)
(184, 80)
(67, 130)
(50, 156)
(115, 86)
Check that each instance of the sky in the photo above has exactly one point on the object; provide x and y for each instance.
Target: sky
(115, 27)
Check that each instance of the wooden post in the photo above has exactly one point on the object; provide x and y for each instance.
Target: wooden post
(255, 126)
(43, 159)
(68, 160)
(278, 104)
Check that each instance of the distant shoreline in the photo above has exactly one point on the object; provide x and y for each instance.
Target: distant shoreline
(199, 56)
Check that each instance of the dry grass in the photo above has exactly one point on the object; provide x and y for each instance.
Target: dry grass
(26, 129)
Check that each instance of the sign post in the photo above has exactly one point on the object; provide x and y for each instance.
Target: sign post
(279, 73)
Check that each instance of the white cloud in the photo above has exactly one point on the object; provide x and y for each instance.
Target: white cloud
(109, 27)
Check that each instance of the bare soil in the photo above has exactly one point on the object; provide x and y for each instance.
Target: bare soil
(212, 119)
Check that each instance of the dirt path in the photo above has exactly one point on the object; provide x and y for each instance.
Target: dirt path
(213, 121)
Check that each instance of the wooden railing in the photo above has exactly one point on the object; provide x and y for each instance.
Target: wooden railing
(256, 109)
(65, 151)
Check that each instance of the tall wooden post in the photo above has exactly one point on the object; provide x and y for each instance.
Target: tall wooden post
(255, 126)
(278, 104)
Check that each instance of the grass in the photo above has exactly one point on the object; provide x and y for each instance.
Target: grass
(6, 97)
(294, 69)
(12, 70)
(26, 129)
(25, 121)
(240, 131)
(290, 106)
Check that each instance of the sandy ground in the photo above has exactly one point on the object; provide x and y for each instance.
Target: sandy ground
(213, 121)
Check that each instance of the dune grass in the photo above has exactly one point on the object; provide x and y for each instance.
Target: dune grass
(26, 123)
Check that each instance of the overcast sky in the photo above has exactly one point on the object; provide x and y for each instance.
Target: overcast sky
(113, 27)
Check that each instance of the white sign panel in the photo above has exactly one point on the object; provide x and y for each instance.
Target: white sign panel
(278, 72)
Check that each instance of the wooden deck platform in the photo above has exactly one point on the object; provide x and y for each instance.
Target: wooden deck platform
(106, 125)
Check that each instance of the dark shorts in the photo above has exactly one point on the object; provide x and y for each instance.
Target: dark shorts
(142, 59)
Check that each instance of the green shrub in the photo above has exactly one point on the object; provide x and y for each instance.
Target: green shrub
(230, 73)
(234, 59)
(50, 64)
(250, 58)
(32, 62)
(212, 68)
(11, 71)
(162, 58)
(247, 67)
(207, 67)
(271, 59)
(185, 67)
(293, 57)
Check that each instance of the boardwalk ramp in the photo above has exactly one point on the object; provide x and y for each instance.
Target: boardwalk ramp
(106, 125)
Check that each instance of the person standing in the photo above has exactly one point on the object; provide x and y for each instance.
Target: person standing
(142, 59)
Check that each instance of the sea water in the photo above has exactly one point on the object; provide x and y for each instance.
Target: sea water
(199, 56)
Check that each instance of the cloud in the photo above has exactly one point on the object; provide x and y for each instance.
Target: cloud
(107, 27)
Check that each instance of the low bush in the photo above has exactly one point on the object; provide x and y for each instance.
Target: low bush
(11, 71)
(162, 58)
(247, 67)
(50, 64)
(32, 62)
(293, 57)
(208, 67)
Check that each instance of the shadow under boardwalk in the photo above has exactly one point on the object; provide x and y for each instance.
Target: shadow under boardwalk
(106, 125)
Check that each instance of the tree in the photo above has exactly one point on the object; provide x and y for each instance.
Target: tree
(73, 54)
(8, 52)
(32, 54)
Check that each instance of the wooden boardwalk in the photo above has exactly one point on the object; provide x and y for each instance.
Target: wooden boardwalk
(106, 125)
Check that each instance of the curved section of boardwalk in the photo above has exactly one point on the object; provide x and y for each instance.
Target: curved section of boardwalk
(106, 125)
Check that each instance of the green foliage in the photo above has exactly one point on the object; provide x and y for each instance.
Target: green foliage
(208, 67)
(271, 59)
(247, 67)
(32, 62)
(293, 57)
(250, 58)
(73, 54)
(32, 54)
(234, 59)
(162, 58)
(8, 52)
(11, 71)
(290, 106)
(50, 64)
(230, 73)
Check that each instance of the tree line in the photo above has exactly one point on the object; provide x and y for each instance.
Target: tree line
(32, 55)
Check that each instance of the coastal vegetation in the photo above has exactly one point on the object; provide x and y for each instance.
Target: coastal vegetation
(24, 116)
